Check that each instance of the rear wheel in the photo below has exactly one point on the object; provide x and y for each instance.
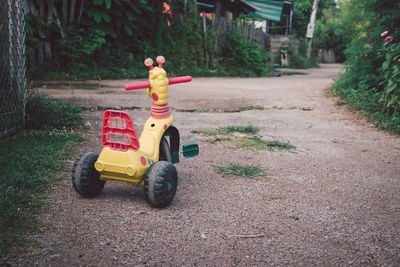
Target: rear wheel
(161, 183)
(85, 178)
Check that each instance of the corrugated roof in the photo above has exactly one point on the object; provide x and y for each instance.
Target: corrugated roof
(266, 9)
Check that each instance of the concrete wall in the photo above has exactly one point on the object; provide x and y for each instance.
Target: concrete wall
(277, 41)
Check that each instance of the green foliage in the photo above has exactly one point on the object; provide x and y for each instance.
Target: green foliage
(298, 60)
(391, 75)
(331, 32)
(301, 16)
(241, 170)
(42, 112)
(113, 37)
(370, 80)
(243, 58)
(81, 44)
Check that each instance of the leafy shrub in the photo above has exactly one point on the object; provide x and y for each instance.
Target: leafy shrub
(299, 61)
(243, 58)
(42, 112)
(82, 43)
(390, 71)
(370, 80)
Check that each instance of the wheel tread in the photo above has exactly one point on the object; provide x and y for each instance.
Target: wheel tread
(85, 178)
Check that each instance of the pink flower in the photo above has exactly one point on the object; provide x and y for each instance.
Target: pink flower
(389, 38)
(384, 33)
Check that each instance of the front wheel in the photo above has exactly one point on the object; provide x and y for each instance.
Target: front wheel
(161, 183)
(85, 178)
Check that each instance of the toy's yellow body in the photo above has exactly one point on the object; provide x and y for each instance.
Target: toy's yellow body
(159, 86)
(131, 165)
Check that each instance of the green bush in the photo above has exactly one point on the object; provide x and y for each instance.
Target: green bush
(390, 71)
(299, 61)
(371, 78)
(243, 58)
(43, 112)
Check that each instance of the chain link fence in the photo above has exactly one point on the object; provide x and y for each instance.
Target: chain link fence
(12, 67)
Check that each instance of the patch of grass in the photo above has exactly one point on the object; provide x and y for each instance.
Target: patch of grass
(198, 110)
(341, 102)
(218, 138)
(240, 170)
(251, 107)
(243, 137)
(255, 143)
(30, 162)
(249, 129)
(272, 145)
(42, 112)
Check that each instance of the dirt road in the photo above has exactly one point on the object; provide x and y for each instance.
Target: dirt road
(334, 200)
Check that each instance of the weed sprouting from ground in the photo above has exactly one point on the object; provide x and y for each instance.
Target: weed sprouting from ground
(279, 145)
(240, 170)
(243, 137)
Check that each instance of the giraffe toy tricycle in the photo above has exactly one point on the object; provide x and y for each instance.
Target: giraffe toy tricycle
(147, 160)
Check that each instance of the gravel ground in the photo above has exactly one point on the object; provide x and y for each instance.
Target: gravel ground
(334, 200)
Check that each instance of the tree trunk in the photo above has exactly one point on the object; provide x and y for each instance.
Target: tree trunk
(59, 25)
(64, 12)
(72, 12)
(47, 44)
(41, 47)
(310, 28)
(81, 11)
(205, 37)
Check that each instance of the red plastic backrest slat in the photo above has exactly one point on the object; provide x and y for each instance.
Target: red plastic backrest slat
(126, 129)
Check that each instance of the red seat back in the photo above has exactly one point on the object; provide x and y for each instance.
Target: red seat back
(118, 131)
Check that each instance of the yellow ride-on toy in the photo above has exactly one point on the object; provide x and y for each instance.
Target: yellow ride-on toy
(147, 160)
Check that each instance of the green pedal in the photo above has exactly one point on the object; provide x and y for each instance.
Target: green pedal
(190, 150)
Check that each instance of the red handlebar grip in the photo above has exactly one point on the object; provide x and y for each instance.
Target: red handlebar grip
(144, 85)
(182, 79)
(135, 86)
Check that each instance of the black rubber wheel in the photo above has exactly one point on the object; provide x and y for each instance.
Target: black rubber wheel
(85, 178)
(161, 183)
(165, 151)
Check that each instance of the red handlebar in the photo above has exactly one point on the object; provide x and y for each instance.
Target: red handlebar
(144, 85)
(182, 79)
(134, 86)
